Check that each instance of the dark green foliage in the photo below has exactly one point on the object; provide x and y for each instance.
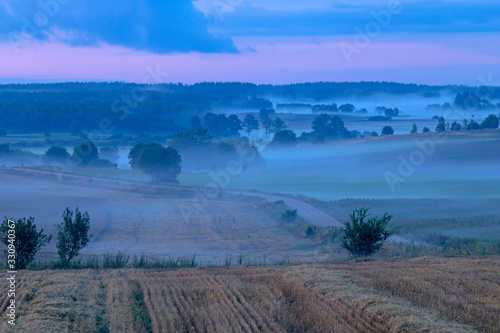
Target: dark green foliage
(387, 130)
(136, 150)
(249, 124)
(364, 236)
(472, 125)
(278, 124)
(391, 112)
(441, 127)
(284, 138)
(114, 261)
(85, 152)
(190, 138)
(289, 215)
(265, 113)
(163, 164)
(56, 154)
(346, 108)
(327, 126)
(27, 240)
(491, 122)
(72, 235)
(414, 128)
(222, 126)
(455, 126)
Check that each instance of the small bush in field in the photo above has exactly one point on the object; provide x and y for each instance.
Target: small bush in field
(365, 236)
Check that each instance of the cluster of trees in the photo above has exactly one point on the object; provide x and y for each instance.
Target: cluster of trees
(23, 240)
(467, 100)
(491, 122)
(84, 154)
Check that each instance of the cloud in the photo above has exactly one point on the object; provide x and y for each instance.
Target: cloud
(157, 26)
(341, 18)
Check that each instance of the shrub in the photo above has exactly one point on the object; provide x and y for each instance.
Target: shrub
(363, 236)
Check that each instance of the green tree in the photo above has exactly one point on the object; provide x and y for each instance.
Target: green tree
(136, 150)
(490, 122)
(279, 124)
(162, 164)
(426, 129)
(455, 126)
(387, 130)
(249, 124)
(284, 138)
(414, 129)
(56, 154)
(72, 234)
(346, 108)
(363, 236)
(24, 238)
(441, 127)
(268, 125)
(85, 152)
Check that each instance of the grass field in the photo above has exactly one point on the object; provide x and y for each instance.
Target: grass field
(417, 295)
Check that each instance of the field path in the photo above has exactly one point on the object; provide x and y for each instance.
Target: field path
(312, 214)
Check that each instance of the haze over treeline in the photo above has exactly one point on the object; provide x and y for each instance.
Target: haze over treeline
(166, 108)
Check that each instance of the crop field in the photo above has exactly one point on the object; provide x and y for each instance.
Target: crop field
(142, 220)
(417, 295)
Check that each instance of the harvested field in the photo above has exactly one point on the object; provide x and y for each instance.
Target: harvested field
(417, 295)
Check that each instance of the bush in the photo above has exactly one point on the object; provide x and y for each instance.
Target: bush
(118, 260)
(362, 236)
(289, 216)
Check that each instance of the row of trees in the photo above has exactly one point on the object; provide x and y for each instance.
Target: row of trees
(491, 122)
(23, 240)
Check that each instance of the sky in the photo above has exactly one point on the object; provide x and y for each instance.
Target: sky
(259, 41)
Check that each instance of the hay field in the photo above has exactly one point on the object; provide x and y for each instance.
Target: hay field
(417, 295)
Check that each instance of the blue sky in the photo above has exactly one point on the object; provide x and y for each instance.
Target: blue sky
(434, 42)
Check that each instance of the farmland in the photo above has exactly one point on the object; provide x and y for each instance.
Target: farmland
(417, 295)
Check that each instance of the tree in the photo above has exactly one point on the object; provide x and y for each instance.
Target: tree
(56, 154)
(265, 113)
(472, 125)
(363, 236)
(24, 238)
(441, 127)
(426, 129)
(455, 126)
(414, 128)
(85, 152)
(387, 130)
(284, 138)
(233, 126)
(346, 108)
(279, 124)
(249, 124)
(327, 126)
(162, 164)
(490, 122)
(136, 150)
(268, 125)
(190, 139)
(72, 234)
